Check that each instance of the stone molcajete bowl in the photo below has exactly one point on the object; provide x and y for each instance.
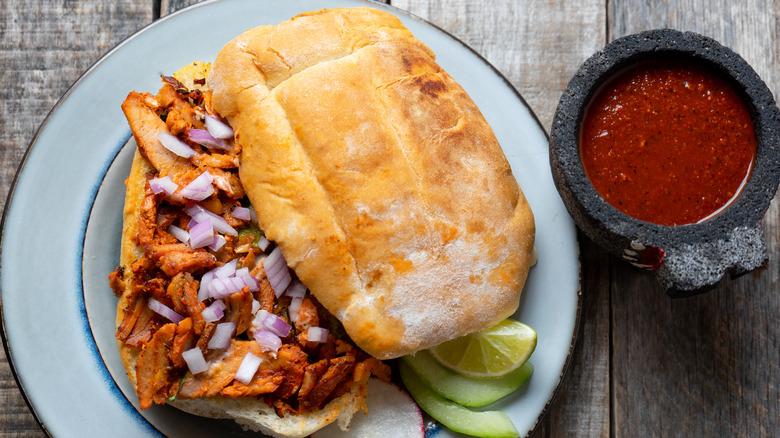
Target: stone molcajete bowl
(686, 259)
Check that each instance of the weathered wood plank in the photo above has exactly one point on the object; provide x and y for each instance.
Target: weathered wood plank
(538, 45)
(45, 45)
(708, 365)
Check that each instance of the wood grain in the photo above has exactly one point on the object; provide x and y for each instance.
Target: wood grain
(708, 365)
(537, 45)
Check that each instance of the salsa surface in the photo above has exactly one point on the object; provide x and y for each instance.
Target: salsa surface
(667, 143)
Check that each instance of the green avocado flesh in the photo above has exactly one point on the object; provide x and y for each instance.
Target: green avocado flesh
(488, 424)
(465, 390)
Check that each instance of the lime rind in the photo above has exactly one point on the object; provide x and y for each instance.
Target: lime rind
(490, 353)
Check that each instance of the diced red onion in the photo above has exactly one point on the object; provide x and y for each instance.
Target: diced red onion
(280, 282)
(199, 214)
(200, 188)
(263, 243)
(222, 336)
(163, 184)
(275, 275)
(227, 280)
(173, 144)
(219, 288)
(295, 306)
(248, 279)
(241, 213)
(217, 128)
(195, 360)
(249, 365)
(277, 325)
(255, 306)
(260, 316)
(296, 289)
(214, 312)
(227, 270)
(253, 216)
(271, 322)
(267, 340)
(238, 283)
(317, 334)
(224, 287)
(178, 233)
(165, 311)
(204, 138)
(201, 234)
(274, 260)
(205, 285)
(217, 243)
(277, 272)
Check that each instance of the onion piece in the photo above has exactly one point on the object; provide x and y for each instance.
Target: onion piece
(178, 233)
(281, 282)
(272, 323)
(204, 290)
(255, 306)
(269, 341)
(218, 288)
(263, 243)
(201, 234)
(317, 334)
(195, 360)
(222, 336)
(253, 217)
(214, 312)
(227, 270)
(217, 243)
(246, 371)
(296, 289)
(248, 279)
(204, 138)
(241, 213)
(217, 128)
(200, 188)
(199, 214)
(163, 184)
(164, 310)
(173, 144)
(295, 306)
(277, 272)
(274, 261)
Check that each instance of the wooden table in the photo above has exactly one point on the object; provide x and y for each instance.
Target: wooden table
(644, 365)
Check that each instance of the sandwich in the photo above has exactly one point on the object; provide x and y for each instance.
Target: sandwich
(322, 198)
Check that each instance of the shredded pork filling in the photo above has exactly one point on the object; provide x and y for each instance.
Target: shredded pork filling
(301, 375)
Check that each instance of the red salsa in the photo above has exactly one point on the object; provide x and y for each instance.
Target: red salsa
(667, 143)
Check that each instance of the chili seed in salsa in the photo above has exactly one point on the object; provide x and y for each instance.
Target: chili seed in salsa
(667, 143)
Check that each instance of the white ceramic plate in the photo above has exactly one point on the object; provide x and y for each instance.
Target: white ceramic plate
(62, 228)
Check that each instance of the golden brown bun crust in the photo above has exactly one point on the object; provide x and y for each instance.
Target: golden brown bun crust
(130, 251)
(377, 175)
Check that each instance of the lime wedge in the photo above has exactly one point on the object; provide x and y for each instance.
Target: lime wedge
(486, 424)
(489, 353)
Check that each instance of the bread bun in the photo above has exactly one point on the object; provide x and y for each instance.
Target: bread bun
(378, 177)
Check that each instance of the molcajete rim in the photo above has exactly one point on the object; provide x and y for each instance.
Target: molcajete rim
(614, 229)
